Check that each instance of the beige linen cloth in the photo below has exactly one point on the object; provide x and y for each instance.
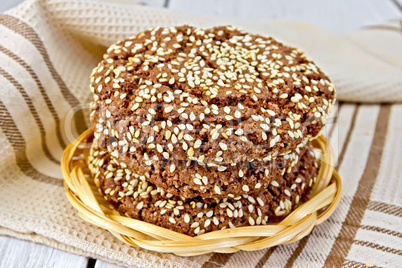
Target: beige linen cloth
(47, 51)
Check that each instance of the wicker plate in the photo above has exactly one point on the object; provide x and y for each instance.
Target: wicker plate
(93, 208)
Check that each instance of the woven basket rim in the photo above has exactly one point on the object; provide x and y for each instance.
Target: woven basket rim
(82, 193)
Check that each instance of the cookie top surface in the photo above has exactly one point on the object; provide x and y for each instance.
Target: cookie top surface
(133, 195)
(217, 96)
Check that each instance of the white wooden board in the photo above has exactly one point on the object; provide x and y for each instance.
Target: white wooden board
(336, 16)
(18, 253)
(103, 264)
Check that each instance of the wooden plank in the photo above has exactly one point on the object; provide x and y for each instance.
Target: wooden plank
(8, 4)
(337, 16)
(18, 253)
(398, 4)
(103, 264)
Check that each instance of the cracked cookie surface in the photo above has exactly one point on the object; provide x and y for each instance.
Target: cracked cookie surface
(217, 96)
(132, 195)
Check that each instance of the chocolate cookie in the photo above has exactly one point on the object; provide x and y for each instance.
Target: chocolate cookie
(134, 196)
(217, 96)
(190, 179)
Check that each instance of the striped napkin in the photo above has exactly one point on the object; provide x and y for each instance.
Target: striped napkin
(47, 51)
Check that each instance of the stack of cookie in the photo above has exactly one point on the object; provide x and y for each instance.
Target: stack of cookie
(197, 130)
